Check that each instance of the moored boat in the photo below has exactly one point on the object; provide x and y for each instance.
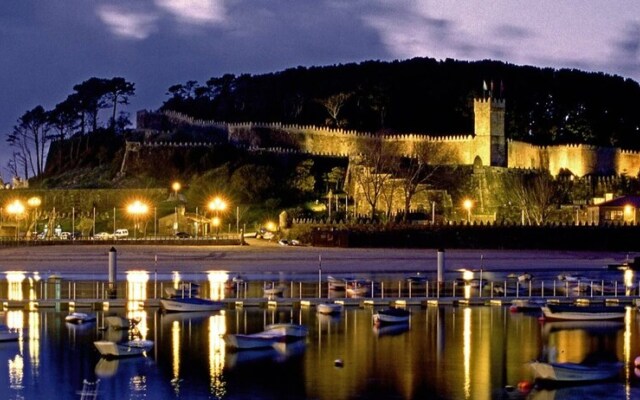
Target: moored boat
(190, 304)
(80, 318)
(572, 372)
(582, 313)
(131, 348)
(287, 330)
(391, 316)
(7, 334)
(329, 308)
(257, 340)
(272, 290)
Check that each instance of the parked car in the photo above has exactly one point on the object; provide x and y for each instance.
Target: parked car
(102, 236)
(121, 233)
(283, 242)
(183, 235)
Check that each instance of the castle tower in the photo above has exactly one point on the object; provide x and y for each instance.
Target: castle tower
(490, 141)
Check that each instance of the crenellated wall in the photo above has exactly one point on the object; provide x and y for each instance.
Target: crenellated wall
(487, 144)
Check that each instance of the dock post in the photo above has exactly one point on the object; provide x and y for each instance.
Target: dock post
(112, 289)
(440, 267)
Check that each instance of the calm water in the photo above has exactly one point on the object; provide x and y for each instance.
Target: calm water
(445, 353)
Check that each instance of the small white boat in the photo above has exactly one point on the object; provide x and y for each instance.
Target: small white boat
(190, 304)
(356, 289)
(272, 290)
(582, 313)
(572, 372)
(391, 316)
(127, 349)
(80, 318)
(329, 308)
(336, 284)
(8, 335)
(258, 340)
(288, 331)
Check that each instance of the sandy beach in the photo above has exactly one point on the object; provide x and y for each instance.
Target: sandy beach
(263, 256)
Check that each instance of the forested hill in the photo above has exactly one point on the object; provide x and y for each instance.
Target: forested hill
(423, 95)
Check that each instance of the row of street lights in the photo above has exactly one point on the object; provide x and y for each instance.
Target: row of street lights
(136, 209)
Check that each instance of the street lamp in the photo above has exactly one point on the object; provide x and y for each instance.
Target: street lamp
(34, 202)
(467, 204)
(136, 209)
(216, 205)
(176, 188)
(16, 208)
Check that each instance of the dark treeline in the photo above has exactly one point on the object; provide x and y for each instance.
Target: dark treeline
(422, 95)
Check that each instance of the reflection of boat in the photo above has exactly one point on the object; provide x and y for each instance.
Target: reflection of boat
(572, 372)
(594, 326)
(127, 349)
(390, 330)
(190, 304)
(391, 316)
(7, 334)
(329, 308)
(258, 340)
(525, 305)
(288, 331)
(80, 318)
(582, 313)
(119, 323)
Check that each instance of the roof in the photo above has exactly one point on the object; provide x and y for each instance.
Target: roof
(622, 201)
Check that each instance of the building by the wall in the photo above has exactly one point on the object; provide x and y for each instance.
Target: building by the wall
(622, 210)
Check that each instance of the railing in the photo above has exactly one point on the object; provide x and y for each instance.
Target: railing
(72, 290)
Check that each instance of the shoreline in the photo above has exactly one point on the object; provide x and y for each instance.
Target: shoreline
(263, 256)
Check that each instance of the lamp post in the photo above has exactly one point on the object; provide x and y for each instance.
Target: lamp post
(468, 204)
(216, 205)
(136, 209)
(34, 202)
(176, 187)
(16, 208)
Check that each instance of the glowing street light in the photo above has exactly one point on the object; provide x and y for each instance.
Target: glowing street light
(16, 208)
(137, 208)
(176, 188)
(34, 202)
(468, 204)
(216, 205)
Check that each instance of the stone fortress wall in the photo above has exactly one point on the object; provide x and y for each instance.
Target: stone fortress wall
(487, 145)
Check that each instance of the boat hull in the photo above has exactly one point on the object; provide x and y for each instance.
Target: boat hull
(391, 316)
(258, 340)
(288, 331)
(193, 304)
(571, 372)
(586, 313)
(79, 318)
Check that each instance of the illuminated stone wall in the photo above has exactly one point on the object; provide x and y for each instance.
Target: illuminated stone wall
(487, 144)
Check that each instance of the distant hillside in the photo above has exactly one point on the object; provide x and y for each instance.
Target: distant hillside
(544, 106)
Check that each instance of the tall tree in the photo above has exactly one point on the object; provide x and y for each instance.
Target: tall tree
(30, 138)
(90, 98)
(533, 192)
(420, 169)
(333, 104)
(118, 91)
(372, 170)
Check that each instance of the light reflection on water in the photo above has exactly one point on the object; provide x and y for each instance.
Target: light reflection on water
(444, 352)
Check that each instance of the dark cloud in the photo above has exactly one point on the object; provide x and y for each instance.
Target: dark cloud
(512, 33)
(626, 51)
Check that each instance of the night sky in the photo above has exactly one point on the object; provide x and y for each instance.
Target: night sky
(46, 47)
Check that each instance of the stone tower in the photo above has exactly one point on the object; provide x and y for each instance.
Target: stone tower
(490, 142)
